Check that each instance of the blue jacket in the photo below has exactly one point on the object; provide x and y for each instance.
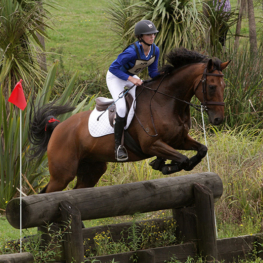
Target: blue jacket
(127, 59)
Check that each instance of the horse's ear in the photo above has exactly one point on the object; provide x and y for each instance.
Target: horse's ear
(224, 65)
(210, 65)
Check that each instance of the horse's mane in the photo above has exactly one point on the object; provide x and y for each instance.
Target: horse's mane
(180, 57)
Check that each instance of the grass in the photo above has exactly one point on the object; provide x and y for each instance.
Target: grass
(82, 35)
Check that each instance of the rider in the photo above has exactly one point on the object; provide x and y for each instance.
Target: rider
(123, 73)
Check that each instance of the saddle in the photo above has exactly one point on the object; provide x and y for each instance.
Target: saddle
(102, 104)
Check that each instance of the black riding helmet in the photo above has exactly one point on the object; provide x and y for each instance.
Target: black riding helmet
(144, 27)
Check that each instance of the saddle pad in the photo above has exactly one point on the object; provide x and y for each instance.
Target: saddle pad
(102, 127)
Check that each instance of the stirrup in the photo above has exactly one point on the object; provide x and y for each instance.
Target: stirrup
(120, 147)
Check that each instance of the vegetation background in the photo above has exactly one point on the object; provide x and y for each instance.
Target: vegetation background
(83, 39)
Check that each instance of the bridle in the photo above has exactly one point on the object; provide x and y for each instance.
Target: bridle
(205, 103)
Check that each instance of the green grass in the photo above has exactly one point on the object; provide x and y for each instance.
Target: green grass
(82, 35)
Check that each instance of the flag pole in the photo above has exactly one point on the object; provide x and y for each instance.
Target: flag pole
(17, 97)
(20, 181)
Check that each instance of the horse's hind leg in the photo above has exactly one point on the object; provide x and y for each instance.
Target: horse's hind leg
(89, 173)
(61, 174)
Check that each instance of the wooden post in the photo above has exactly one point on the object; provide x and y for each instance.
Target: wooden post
(144, 256)
(206, 231)
(185, 223)
(73, 238)
(48, 238)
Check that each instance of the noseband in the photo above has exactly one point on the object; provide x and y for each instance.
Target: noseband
(205, 103)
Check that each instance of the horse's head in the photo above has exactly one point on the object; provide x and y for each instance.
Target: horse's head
(210, 90)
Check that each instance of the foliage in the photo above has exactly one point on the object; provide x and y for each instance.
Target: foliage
(9, 143)
(20, 22)
(119, 13)
(42, 252)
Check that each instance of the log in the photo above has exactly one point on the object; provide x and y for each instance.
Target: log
(117, 200)
(17, 258)
(73, 238)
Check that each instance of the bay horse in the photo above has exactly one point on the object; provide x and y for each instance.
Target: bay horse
(161, 125)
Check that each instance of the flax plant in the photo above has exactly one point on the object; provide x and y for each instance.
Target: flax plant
(9, 141)
(21, 22)
(217, 23)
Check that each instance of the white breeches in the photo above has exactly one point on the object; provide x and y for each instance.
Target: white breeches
(116, 86)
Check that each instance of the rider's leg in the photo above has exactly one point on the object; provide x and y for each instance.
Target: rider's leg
(116, 86)
(121, 153)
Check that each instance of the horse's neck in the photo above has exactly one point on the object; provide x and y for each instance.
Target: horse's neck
(181, 83)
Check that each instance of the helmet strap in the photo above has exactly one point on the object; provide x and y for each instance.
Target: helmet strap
(141, 40)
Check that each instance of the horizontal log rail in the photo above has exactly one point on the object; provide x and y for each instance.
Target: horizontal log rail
(116, 200)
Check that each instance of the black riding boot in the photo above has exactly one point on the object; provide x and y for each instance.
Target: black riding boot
(120, 151)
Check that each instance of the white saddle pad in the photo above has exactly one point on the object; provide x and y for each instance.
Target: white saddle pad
(102, 127)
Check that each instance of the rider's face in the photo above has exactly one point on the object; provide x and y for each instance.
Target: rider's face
(149, 38)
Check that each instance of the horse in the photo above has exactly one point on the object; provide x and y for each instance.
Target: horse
(160, 128)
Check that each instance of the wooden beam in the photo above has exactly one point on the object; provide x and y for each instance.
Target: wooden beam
(109, 201)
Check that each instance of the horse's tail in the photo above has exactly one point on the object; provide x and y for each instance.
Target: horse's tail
(42, 122)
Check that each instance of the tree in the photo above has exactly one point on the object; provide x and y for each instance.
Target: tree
(252, 28)
(239, 22)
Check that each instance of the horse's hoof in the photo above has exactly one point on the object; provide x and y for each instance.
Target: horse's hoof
(157, 164)
(188, 168)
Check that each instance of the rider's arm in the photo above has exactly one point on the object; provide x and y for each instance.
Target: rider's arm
(153, 68)
(125, 57)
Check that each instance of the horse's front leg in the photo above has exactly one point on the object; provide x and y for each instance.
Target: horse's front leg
(164, 151)
(191, 144)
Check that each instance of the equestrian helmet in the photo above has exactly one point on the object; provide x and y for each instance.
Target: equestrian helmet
(144, 27)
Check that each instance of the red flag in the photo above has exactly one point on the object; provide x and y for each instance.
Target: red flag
(17, 96)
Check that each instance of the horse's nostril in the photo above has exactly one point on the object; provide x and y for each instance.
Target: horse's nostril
(217, 121)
